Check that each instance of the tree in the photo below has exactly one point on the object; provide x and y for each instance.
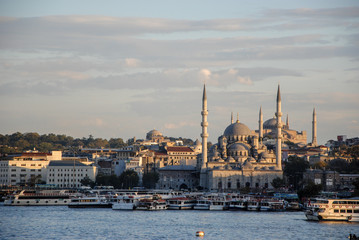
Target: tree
(294, 169)
(278, 182)
(129, 179)
(149, 180)
(310, 190)
(86, 181)
(339, 165)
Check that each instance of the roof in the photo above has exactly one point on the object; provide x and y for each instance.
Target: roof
(66, 164)
(179, 149)
(178, 168)
(237, 129)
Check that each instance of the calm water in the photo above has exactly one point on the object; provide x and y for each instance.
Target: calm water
(63, 223)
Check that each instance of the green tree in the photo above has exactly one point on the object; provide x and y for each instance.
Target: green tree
(278, 182)
(294, 169)
(116, 143)
(310, 190)
(149, 180)
(339, 165)
(129, 179)
(86, 181)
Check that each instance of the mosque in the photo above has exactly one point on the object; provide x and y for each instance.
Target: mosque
(240, 158)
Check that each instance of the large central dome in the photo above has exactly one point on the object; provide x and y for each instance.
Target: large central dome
(237, 129)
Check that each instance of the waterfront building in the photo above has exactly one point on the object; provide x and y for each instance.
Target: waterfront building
(330, 180)
(19, 169)
(68, 174)
(178, 177)
(239, 159)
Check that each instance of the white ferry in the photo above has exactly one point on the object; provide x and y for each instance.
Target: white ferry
(125, 203)
(202, 204)
(253, 205)
(180, 203)
(334, 210)
(151, 204)
(272, 205)
(38, 198)
(95, 201)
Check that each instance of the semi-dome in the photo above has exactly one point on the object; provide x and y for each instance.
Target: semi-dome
(153, 133)
(270, 124)
(237, 129)
(238, 147)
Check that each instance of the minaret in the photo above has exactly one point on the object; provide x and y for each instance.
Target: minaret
(232, 118)
(279, 131)
(204, 135)
(314, 129)
(260, 122)
(287, 123)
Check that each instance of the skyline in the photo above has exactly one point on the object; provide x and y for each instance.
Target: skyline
(123, 69)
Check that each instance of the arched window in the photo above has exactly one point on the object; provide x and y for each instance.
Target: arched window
(248, 184)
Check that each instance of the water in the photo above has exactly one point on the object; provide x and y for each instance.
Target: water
(61, 222)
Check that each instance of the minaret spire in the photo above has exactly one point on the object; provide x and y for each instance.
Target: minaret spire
(279, 131)
(232, 121)
(204, 136)
(314, 129)
(237, 117)
(260, 122)
(287, 123)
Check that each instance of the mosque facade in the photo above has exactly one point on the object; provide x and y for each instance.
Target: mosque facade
(239, 159)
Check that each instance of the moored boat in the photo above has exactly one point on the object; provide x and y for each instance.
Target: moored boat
(125, 203)
(180, 203)
(95, 201)
(38, 198)
(334, 210)
(151, 204)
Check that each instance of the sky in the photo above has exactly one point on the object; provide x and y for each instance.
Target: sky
(118, 69)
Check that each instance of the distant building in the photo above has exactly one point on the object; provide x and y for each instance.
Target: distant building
(68, 174)
(18, 169)
(346, 181)
(178, 177)
(330, 180)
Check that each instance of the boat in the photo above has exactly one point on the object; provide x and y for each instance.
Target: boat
(238, 204)
(38, 198)
(92, 201)
(125, 203)
(334, 210)
(253, 205)
(151, 204)
(271, 204)
(202, 204)
(218, 204)
(180, 203)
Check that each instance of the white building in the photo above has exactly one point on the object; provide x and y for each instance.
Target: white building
(69, 173)
(18, 169)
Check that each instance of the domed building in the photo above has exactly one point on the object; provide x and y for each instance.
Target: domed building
(269, 132)
(155, 136)
(239, 159)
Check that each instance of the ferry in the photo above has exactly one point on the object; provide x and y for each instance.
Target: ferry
(180, 203)
(152, 204)
(95, 201)
(334, 210)
(38, 198)
(125, 203)
(253, 205)
(202, 204)
(272, 205)
(238, 204)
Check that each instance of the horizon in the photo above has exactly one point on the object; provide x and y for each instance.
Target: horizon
(121, 69)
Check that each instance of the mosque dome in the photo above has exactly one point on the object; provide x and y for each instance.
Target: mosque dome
(237, 129)
(238, 147)
(197, 143)
(153, 133)
(270, 124)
